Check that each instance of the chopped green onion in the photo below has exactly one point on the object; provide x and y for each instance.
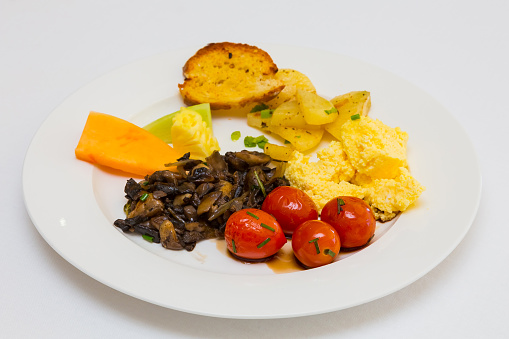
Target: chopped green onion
(148, 238)
(145, 183)
(355, 116)
(266, 113)
(259, 108)
(144, 197)
(287, 142)
(267, 227)
(234, 247)
(259, 141)
(235, 136)
(297, 136)
(329, 252)
(260, 184)
(249, 141)
(315, 240)
(332, 110)
(260, 245)
(253, 215)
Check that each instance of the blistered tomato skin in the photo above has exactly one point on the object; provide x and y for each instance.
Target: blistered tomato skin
(290, 206)
(355, 222)
(252, 234)
(315, 243)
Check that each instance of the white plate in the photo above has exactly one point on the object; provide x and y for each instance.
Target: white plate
(73, 204)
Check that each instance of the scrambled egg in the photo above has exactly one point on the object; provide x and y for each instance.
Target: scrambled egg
(368, 162)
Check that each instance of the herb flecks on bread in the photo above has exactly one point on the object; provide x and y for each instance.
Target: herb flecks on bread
(229, 75)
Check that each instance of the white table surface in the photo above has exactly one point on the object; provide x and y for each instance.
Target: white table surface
(457, 51)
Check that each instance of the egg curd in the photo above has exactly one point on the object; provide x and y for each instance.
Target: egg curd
(368, 161)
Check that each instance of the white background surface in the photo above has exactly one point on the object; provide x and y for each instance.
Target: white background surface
(455, 50)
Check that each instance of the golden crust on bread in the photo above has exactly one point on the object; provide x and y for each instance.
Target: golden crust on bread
(229, 75)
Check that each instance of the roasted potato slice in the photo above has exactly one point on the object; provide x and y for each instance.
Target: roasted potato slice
(288, 114)
(281, 153)
(255, 120)
(316, 110)
(357, 102)
(292, 80)
(301, 139)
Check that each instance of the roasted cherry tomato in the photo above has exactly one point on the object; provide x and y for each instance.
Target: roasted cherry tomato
(252, 234)
(315, 243)
(290, 206)
(352, 218)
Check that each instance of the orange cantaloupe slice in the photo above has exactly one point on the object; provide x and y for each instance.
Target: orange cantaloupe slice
(113, 142)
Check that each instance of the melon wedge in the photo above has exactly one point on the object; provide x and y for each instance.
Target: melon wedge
(113, 142)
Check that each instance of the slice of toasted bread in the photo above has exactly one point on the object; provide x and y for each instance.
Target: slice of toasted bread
(229, 75)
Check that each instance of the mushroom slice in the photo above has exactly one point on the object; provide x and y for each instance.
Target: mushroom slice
(182, 199)
(207, 202)
(204, 188)
(150, 207)
(190, 213)
(253, 158)
(226, 188)
(168, 236)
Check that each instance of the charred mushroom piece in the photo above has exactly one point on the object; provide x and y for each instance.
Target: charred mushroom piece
(225, 187)
(255, 178)
(190, 213)
(159, 194)
(129, 223)
(182, 199)
(253, 158)
(147, 230)
(201, 174)
(170, 189)
(164, 176)
(235, 162)
(207, 202)
(186, 187)
(186, 165)
(169, 238)
(217, 165)
(177, 219)
(133, 190)
(223, 208)
(156, 222)
(204, 188)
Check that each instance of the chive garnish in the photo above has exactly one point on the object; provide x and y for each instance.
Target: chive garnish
(259, 108)
(144, 197)
(249, 141)
(234, 247)
(260, 184)
(355, 116)
(148, 238)
(332, 110)
(260, 245)
(315, 240)
(329, 252)
(267, 227)
(253, 215)
(340, 203)
(235, 136)
(266, 113)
